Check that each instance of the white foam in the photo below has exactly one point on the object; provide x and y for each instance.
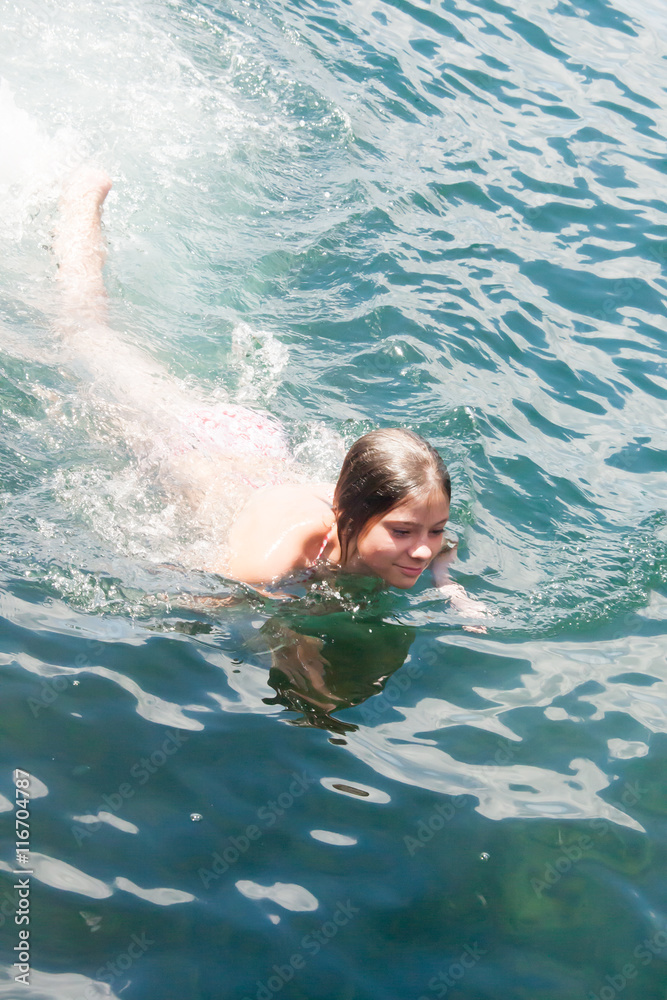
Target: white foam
(32, 163)
(260, 359)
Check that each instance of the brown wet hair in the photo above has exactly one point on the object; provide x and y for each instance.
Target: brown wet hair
(382, 470)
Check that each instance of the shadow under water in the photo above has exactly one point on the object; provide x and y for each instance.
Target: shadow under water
(322, 664)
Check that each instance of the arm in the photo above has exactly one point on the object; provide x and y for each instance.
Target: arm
(299, 658)
(454, 591)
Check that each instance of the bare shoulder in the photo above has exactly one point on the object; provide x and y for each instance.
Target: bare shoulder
(279, 531)
(289, 496)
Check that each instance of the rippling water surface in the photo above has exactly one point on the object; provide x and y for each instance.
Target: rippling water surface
(449, 216)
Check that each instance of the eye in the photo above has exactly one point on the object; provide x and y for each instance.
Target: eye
(399, 532)
(437, 531)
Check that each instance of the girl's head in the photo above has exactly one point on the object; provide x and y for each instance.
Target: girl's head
(391, 502)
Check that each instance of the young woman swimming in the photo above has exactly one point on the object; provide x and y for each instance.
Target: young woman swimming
(386, 515)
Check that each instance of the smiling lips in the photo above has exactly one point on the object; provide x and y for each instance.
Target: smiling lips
(412, 570)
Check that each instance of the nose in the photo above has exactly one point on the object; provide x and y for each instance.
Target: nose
(421, 550)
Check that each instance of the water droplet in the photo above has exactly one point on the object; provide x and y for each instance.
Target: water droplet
(195, 817)
(484, 856)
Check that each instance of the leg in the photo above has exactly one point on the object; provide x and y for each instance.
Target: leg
(119, 370)
(158, 414)
(80, 248)
(153, 409)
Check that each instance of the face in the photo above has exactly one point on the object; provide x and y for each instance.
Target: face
(400, 546)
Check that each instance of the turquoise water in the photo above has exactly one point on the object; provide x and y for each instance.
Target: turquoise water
(447, 216)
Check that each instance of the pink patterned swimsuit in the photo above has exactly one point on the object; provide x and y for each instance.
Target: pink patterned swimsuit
(236, 432)
(239, 432)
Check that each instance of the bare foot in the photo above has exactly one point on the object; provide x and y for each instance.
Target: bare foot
(88, 186)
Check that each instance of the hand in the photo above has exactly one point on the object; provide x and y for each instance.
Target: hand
(465, 605)
(455, 592)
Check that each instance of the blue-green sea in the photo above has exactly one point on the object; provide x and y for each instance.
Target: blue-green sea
(447, 215)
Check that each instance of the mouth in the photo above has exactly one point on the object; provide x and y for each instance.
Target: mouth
(414, 571)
